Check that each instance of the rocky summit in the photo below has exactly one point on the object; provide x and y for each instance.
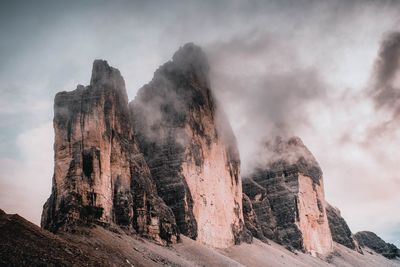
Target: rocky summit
(99, 173)
(190, 149)
(166, 164)
(287, 194)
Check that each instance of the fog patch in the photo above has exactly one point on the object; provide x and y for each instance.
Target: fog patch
(264, 89)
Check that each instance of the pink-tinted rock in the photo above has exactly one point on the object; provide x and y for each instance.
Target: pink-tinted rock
(191, 150)
(287, 189)
(99, 174)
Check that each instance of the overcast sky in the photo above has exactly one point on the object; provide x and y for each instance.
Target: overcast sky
(326, 71)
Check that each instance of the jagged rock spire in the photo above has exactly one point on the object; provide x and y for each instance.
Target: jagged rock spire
(100, 176)
(194, 162)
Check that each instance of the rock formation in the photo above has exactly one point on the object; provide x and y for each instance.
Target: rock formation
(168, 163)
(99, 173)
(250, 217)
(257, 195)
(341, 232)
(374, 242)
(287, 194)
(190, 149)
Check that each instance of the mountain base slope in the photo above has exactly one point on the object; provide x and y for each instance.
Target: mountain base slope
(25, 244)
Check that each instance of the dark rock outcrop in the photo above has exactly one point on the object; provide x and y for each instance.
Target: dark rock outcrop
(265, 220)
(374, 242)
(190, 149)
(100, 175)
(251, 220)
(286, 191)
(24, 244)
(341, 232)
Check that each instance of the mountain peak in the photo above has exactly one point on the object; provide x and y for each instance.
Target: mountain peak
(191, 56)
(103, 73)
(283, 152)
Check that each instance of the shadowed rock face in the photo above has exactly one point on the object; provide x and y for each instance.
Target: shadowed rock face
(100, 174)
(251, 220)
(374, 242)
(190, 149)
(287, 195)
(341, 232)
(265, 220)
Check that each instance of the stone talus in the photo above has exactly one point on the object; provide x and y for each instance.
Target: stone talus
(194, 161)
(100, 174)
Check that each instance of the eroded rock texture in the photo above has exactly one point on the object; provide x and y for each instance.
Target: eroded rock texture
(190, 149)
(287, 195)
(99, 173)
(257, 195)
(251, 220)
(341, 232)
(374, 242)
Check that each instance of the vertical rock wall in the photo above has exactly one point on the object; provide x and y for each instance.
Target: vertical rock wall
(191, 150)
(250, 217)
(287, 193)
(313, 221)
(257, 195)
(99, 173)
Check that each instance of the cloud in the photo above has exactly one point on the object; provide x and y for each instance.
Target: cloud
(264, 88)
(273, 84)
(386, 84)
(384, 88)
(293, 66)
(25, 183)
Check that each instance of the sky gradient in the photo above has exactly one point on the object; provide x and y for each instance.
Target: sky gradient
(326, 71)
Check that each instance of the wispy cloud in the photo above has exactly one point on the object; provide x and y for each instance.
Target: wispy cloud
(25, 183)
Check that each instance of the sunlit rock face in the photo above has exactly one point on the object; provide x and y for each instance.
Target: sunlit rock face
(287, 193)
(99, 173)
(341, 232)
(190, 149)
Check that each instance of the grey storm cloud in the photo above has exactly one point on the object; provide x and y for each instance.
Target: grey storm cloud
(264, 88)
(386, 84)
(384, 89)
(273, 96)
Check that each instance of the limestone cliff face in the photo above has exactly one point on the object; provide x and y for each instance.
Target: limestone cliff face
(288, 195)
(341, 232)
(99, 173)
(190, 149)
